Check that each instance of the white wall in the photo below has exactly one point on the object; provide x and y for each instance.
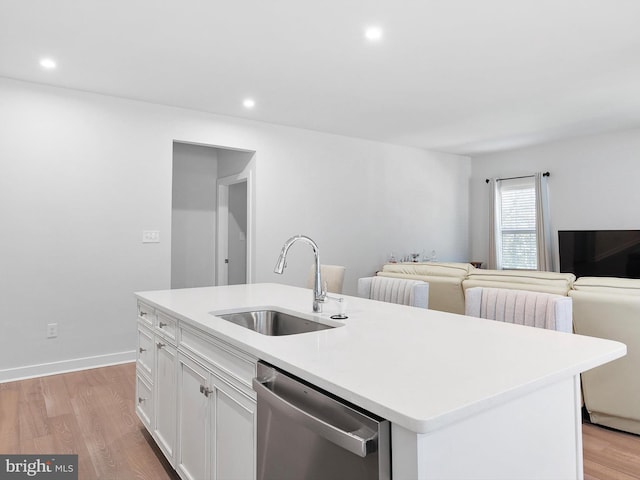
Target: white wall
(593, 184)
(232, 162)
(193, 216)
(83, 175)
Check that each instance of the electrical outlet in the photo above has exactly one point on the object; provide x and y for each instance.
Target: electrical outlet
(150, 236)
(52, 330)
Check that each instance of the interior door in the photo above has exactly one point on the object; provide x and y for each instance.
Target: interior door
(234, 213)
(237, 234)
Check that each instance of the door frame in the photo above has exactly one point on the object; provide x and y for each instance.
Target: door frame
(222, 230)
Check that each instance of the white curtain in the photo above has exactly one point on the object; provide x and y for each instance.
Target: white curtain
(542, 259)
(543, 224)
(492, 264)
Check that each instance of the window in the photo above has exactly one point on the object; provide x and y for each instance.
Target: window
(516, 236)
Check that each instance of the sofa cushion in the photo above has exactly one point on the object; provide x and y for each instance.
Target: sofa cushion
(614, 285)
(438, 269)
(548, 282)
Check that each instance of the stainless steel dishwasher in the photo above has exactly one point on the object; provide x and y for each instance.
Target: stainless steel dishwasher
(307, 434)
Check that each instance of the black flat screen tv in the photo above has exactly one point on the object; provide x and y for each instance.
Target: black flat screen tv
(600, 253)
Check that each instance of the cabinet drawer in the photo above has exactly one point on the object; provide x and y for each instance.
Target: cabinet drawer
(146, 313)
(144, 354)
(234, 363)
(166, 325)
(144, 402)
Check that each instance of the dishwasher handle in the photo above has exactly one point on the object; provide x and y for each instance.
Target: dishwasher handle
(346, 440)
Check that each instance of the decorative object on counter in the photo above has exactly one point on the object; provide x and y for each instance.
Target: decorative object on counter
(414, 293)
(392, 258)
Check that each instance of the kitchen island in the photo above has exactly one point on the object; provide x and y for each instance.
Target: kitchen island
(466, 397)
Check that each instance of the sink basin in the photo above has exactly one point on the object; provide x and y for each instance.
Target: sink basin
(273, 322)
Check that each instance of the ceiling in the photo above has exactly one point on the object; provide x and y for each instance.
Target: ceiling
(459, 76)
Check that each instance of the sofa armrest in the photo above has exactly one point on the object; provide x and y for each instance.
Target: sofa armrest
(611, 391)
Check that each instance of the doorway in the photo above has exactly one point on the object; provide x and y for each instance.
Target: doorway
(198, 235)
(232, 230)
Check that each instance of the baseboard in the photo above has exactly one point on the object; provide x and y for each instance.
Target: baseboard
(64, 366)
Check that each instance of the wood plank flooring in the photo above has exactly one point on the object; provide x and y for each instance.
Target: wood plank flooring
(610, 454)
(91, 413)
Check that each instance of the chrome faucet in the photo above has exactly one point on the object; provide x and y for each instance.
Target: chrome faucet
(319, 294)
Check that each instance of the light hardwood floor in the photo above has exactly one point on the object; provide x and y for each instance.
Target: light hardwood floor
(610, 454)
(91, 413)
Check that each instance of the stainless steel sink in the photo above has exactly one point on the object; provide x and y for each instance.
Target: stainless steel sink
(273, 322)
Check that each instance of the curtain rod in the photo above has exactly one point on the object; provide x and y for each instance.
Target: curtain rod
(545, 174)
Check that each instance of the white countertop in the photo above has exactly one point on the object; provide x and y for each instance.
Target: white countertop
(421, 369)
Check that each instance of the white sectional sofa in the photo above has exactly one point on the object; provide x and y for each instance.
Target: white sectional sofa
(544, 282)
(603, 307)
(448, 281)
(445, 281)
(610, 308)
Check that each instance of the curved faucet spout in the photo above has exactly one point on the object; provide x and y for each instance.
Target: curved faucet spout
(319, 295)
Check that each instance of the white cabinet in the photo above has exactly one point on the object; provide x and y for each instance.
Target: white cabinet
(145, 364)
(194, 395)
(156, 359)
(164, 427)
(193, 420)
(145, 353)
(146, 314)
(144, 373)
(216, 417)
(144, 401)
(233, 428)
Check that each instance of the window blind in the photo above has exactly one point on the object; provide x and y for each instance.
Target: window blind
(517, 228)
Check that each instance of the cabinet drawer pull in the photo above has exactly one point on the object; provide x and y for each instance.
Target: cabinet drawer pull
(162, 325)
(205, 391)
(143, 314)
(142, 349)
(141, 399)
(160, 345)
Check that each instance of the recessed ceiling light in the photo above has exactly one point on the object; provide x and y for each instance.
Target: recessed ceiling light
(249, 103)
(373, 34)
(48, 63)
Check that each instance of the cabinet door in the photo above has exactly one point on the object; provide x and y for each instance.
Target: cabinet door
(165, 397)
(192, 460)
(145, 352)
(144, 401)
(233, 428)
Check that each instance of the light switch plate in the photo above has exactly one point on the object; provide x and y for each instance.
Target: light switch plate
(52, 330)
(150, 236)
